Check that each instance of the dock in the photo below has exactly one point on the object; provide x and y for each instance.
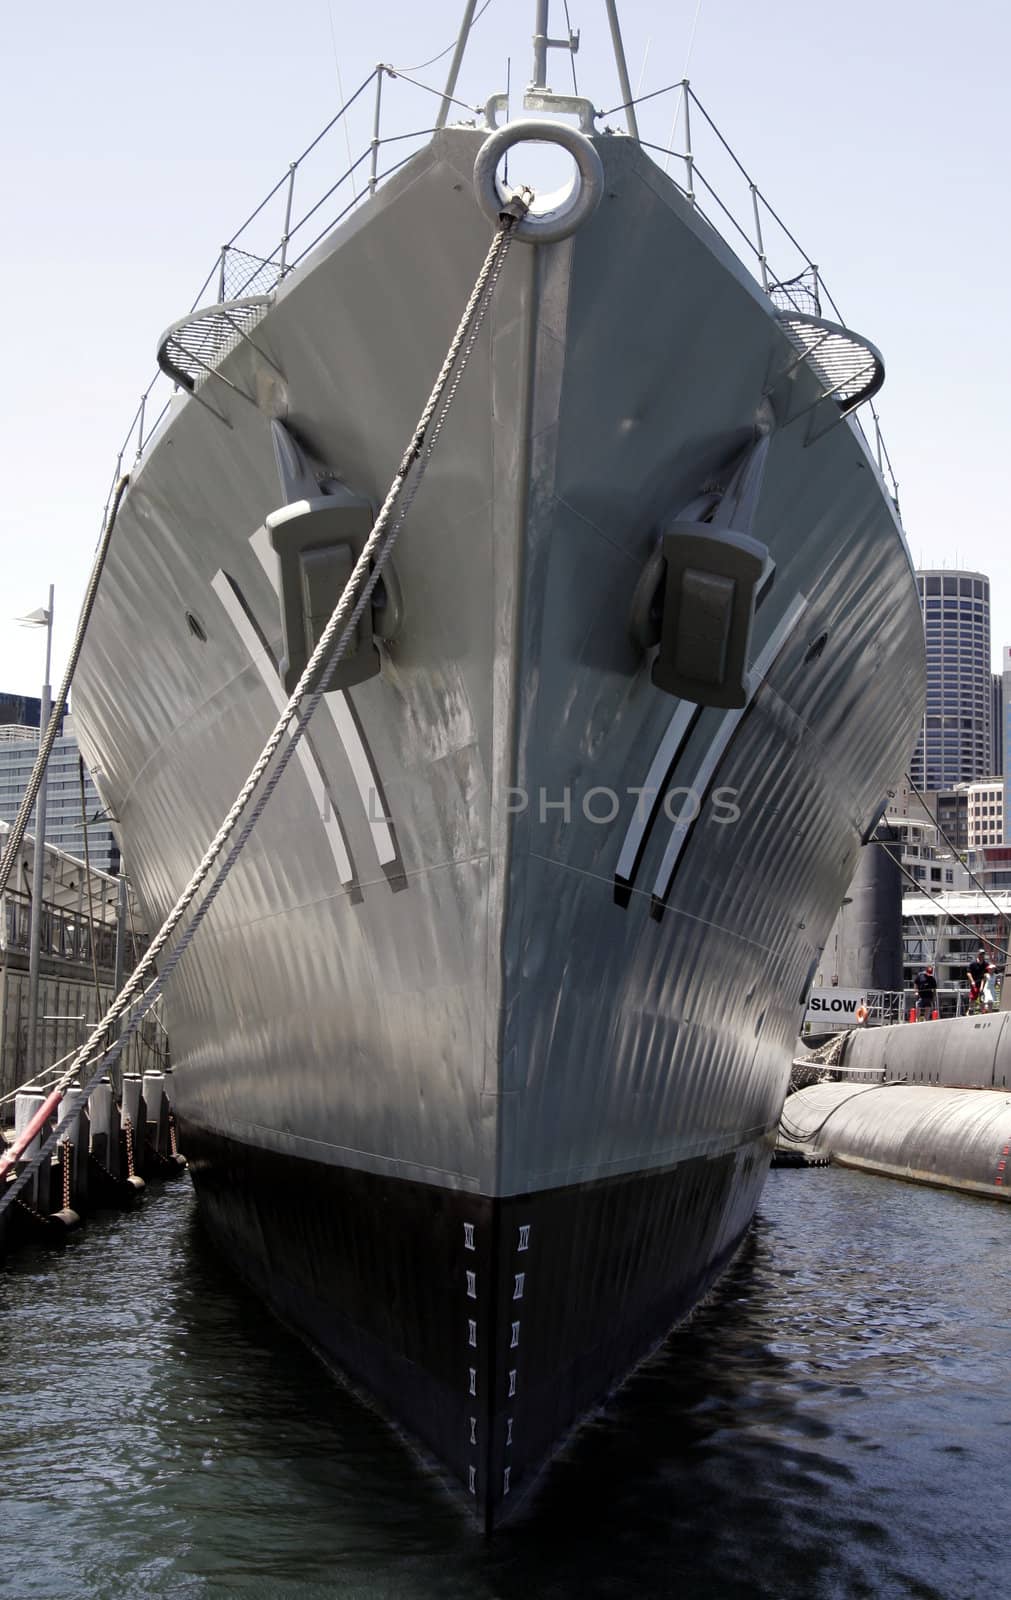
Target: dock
(107, 1151)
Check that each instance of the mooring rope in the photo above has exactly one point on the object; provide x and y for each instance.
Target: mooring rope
(292, 720)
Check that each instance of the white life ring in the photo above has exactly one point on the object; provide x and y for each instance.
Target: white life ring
(559, 213)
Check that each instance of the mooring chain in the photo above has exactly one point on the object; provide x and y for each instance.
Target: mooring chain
(128, 1138)
(293, 720)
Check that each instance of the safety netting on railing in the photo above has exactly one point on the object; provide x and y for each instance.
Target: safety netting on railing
(799, 293)
(383, 123)
(372, 135)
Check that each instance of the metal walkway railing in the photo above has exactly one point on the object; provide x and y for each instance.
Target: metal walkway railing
(279, 233)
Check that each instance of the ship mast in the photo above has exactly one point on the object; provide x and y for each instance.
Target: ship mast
(454, 66)
(543, 43)
(622, 66)
(538, 96)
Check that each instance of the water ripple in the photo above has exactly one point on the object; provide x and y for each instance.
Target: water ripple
(833, 1423)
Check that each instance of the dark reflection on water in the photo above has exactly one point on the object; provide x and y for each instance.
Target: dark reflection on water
(835, 1422)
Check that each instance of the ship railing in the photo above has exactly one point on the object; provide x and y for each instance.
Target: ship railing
(952, 1001)
(297, 213)
(66, 935)
(307, 201)
(73, 948)
(894, 1005)
(719, 187)
(886, 1006)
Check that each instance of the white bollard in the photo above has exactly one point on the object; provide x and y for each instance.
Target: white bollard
(26, 1104)
(68, 1113)
(154, 1088)
(101, 1110)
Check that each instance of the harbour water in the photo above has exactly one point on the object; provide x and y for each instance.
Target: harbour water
(834, 1422)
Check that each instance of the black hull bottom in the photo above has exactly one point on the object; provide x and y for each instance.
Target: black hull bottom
(486, 1327)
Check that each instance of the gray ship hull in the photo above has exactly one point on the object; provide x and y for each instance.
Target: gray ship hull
(479, 1075)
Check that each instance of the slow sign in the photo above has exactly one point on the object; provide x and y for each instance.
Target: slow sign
(830, 1009)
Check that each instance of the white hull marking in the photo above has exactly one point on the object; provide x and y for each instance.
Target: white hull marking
(718, 748)
(345, 726)
(272, 683)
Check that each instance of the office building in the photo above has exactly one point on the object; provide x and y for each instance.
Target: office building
(19, 743)
(1006, 724)
(985, 813)
(955, 744)
(79, 932)
(952, 812)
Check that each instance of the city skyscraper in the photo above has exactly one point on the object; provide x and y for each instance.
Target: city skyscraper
(1006, 676)
(19, 744)
(997, 725)
(955, 743)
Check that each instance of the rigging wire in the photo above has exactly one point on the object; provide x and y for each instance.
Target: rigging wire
(640, 100)
(421, 65)
(396, 72)
(340, 92)
(921, 888)
(642, 73)
(572, 53)
(684, 76)
(954, 849)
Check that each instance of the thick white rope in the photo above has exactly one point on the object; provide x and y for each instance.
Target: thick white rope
(375, 550)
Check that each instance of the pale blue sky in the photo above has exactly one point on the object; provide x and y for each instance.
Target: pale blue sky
(136, 138)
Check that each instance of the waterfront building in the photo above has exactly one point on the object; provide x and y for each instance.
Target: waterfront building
(988, 868)
(926, 858)
(932, 835)
(19, 742)
(948, 929)
(1006, 706)
(79, 929)
(985, 813)
(19, 711)
(955, 744)
(952, 811)
(903, 802)
(997, 740)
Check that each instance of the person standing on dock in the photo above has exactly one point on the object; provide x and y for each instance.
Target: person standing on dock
(926, 992)
(988, 993)
(976, 974)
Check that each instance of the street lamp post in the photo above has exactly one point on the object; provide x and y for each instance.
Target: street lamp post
(39, 872)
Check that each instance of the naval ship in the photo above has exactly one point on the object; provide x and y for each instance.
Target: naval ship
(480, 1056)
